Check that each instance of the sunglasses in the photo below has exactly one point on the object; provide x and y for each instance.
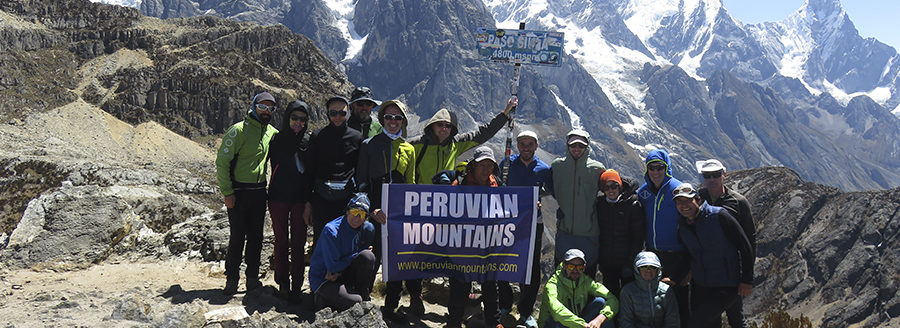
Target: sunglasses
(613, 186)
(365, 103)
(264, 108)
(299, 118)
(334, 113)
(717, 174)
(577, 145)
(685, 190)
(443, 125)
(391, 117)
(656, 167)
(648, 267)
(570, 266)
(358, 212)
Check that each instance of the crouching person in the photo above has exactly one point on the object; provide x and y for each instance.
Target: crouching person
(572, 299)
(343, 266)
(646, 303)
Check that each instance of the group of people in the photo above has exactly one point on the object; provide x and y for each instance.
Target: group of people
(652, 241)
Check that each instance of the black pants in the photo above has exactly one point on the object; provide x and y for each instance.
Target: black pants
(245, 225)
(496, 295)
(395, 290)
(614, 278)
(459, 295)
(736, 314)
(351, 287)
(675, 267)
(529, 292)
(324, 211)
(708, 305)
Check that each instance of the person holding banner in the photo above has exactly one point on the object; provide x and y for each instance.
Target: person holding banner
(333, 155)
(387, 158)
(525, 169)
(572, 299)
(441, 144)
(575, 188)
(342, 266)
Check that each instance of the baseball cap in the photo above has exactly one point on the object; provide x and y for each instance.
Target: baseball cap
(577, 139)
(685, 190)
(574, 253)
(527, 134)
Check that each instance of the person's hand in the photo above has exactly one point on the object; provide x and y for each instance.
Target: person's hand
(596, 322)
(667, 281)
(379, 216)
(686, 279)
(331, 276)
(539, 205)
(513, 102)
(229, 201)
(307, 213)
(745, 289)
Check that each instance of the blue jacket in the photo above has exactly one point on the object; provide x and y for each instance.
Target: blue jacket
(336, 249)
(536, 173)
(721, 255)
(659, 209)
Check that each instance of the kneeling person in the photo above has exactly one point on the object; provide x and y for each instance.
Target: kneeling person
(342, 266)
(572, 299)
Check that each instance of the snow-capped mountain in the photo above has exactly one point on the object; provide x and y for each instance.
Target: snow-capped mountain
(638, 75)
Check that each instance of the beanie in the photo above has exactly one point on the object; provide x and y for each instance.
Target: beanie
(610, 175)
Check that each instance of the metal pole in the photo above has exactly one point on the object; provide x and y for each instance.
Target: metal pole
(514, 89)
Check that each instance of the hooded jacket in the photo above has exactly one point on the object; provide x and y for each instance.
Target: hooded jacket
(336, 249)
(287, 153)
(621, 226)
(382, 160)
(647, 304)
(368, 128)
(564, 299)
(575, 189)
(241, 159)
(437, 156)
(660, 212)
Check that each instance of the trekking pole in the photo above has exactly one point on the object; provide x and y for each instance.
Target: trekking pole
(514, 89)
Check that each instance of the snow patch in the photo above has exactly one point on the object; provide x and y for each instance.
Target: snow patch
(574, 118)
(124, 3)
(639, 125)
(343, 14)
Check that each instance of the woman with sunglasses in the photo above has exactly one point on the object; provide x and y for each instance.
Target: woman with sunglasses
(287, 155)
(388, 158)
(621, 221)
(333, 155)
(343, 265)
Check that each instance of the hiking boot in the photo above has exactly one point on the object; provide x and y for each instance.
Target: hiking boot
(230, 287)
(253, 284)
(296, 297)
(416, 306)
(393, 314)
(528, 322)
(284, 289)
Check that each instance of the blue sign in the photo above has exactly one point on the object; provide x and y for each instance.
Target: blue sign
(469, 233)
(526, 47)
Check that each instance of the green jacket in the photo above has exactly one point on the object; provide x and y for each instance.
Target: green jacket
(438, 156)
(242, 155)
(564, 299)
(575, 187)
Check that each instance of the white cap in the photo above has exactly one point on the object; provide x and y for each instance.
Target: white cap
(574, 254)
(685, 190)
(710, 165)
(527, 133)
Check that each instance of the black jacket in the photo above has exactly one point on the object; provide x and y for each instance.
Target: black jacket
(288, 153)
(621, 226)
(333, 153)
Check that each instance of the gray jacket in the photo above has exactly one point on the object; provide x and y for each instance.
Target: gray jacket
(647, 304)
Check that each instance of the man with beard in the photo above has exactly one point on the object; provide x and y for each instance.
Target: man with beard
(241, 173)
(361, 105)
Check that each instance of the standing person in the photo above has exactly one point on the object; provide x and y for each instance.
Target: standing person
(572, 299)
(525, 169)
(621, 221)
(717, 194)
(361, 105)
(333, 155)
(441, 144)
(388, 158)
(343, 266)
(662, 224)
(482, 170)
(241, 173)
(575, 188)
(645, 302)
(721, 258)
(287, 199)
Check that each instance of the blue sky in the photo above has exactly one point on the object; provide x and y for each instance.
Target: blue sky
(872, 18)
